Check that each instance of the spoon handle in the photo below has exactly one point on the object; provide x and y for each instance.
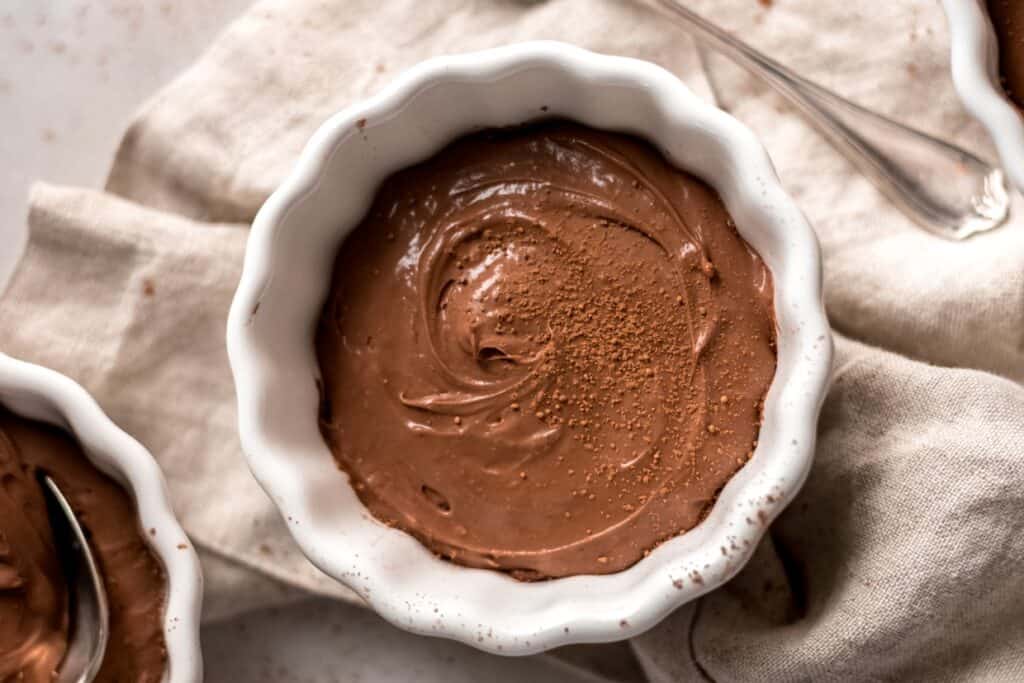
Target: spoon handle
(943, 188)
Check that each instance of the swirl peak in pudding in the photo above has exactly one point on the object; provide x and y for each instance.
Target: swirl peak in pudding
(545, 351)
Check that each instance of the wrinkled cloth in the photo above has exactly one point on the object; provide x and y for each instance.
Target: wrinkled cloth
(900, 558)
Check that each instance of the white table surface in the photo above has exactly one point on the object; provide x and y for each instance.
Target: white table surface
(72, 72)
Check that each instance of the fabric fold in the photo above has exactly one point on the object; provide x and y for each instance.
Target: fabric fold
(899, 559)
(132, 302)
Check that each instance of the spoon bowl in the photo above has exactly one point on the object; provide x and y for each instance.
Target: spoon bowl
(90, 614)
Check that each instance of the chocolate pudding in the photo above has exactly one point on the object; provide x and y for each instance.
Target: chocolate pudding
(1008, 20)
(34, 599)
(545, 350)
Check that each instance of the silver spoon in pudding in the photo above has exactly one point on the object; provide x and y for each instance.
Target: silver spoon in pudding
(90, 614)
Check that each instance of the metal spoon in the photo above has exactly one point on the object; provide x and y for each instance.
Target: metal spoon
(90, 615)
(941, 187)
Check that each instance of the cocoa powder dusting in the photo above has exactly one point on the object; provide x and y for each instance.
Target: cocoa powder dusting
(545, 351)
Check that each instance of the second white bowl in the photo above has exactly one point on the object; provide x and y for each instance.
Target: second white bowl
(37, 393)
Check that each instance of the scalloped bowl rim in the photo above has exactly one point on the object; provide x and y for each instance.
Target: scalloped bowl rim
(391, 571)
(43, 394)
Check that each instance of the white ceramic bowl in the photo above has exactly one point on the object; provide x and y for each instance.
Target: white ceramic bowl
(975, 64)
(40, 394)
(285, 281)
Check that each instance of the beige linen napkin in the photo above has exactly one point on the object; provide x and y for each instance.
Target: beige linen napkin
(900, 558)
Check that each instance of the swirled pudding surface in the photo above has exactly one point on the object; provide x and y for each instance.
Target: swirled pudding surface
(1008, 21)
(544, 351)
(34, 598)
